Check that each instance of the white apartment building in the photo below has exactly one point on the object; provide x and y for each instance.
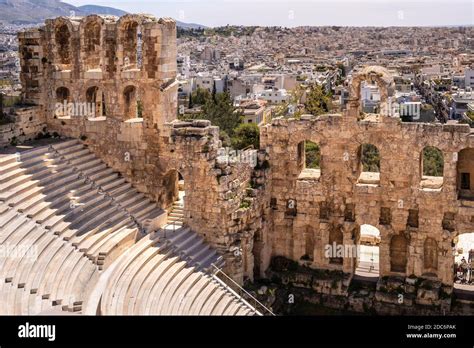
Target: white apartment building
(469, 78)
(460, 103)
(207, 82)
(274, 95)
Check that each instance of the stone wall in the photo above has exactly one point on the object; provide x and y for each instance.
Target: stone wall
(225, 195)
(250, 213)
(122, 69)
(339, 201)
(99, 60)
(28, 123)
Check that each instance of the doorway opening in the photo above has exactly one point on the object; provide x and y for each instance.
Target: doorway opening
(367, 264)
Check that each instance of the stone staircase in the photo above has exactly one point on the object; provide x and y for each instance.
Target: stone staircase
(67, 220)
(176, 214)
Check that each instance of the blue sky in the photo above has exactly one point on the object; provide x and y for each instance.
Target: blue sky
(303, 12)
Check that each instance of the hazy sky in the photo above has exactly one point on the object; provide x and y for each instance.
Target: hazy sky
(303, 12)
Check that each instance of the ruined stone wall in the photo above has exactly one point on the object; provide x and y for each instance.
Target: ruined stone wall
(253, 213)
(332, 207)
(225, 195)
(94, 60)
(28, 123)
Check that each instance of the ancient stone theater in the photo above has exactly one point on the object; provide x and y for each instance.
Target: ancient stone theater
(111, 205)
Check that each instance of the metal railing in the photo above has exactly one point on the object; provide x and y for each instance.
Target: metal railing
(238, 290)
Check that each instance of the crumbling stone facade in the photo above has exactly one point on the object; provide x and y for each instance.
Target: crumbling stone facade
(253, 212)
(418, 217)
(127, 67)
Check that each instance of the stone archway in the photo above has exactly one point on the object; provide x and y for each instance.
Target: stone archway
(92, 40)
(63, 43)
(398, 253)
(376, 75)
(464, 258)
(173, 184)
(173, 197)
(465, 174)
(96, 98)
(368, 252)
(131, 103)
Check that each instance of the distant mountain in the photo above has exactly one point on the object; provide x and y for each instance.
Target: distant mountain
(33, 11)
(36, 11)
(190, 25)
(101, 10)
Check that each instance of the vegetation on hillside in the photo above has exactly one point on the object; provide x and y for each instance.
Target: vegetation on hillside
(246, 135)
(219, 109)
(318, 102)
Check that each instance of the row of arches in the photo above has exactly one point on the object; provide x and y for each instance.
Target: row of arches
(92, 43)
(367, 256)
(432, 163)
(95, 97)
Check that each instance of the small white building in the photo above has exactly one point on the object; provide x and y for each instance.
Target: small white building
(274, 95)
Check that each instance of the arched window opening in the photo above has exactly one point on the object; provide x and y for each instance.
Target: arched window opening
(398, 253)
(432, 168)
(132, 46)
(92, 45)
(367, 264)
(63, 98)
(133, 107)
(465, 174)
(174, 200)
(463, 262)
(336, 242)
(309, 245)
(370, 97)
(62, 95)
(63, 44)
(369, 165)
(96, 101)
(309, 160)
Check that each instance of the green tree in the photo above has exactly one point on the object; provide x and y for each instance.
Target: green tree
(222, 113)
(370, 158)
(469, 120)
(200, 96)
(290, 107)
(317, 101)
(224, 137)
(214, 91)
(341, 67)
(433, 162)
(139, 109)
(247, 134)
(313, 155)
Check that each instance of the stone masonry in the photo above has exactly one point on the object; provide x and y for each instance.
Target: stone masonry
(254, 212)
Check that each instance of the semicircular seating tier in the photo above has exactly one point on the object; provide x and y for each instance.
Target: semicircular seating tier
(77, 237)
